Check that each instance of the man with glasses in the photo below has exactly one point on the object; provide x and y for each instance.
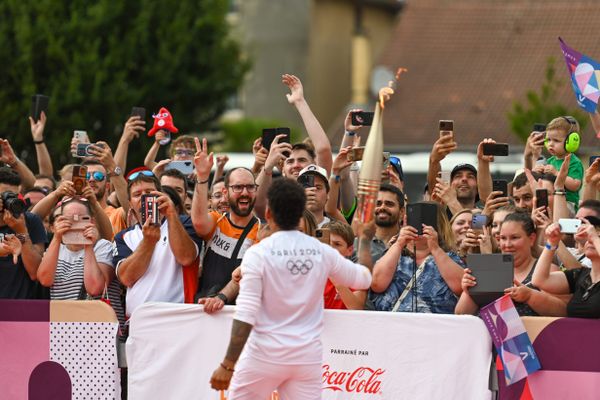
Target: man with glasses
(228, 235)
(218, 198)
(156, 262)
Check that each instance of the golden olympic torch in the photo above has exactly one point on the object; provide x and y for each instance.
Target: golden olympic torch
(369, 177)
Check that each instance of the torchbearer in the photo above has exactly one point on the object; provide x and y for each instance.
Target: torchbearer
(281, 303)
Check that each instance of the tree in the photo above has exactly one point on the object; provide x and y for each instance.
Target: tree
(98, 59)
(541, 107)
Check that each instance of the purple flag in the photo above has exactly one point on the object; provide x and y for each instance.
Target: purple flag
(585, 77)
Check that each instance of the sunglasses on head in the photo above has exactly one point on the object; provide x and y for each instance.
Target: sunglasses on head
(136, 174)
(97, 175)
(395, 160)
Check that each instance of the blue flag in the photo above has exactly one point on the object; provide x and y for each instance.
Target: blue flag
(585, 77)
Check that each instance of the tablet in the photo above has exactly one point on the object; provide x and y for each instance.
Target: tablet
(493, 272)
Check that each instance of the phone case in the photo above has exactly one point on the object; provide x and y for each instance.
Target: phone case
(500, 185)
(495, 149)
(421, 213)
(39, 103)
(150, 209)
(75, 234)
(79, 178)
(185, 167)
(363, 118)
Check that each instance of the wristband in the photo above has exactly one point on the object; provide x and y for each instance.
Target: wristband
(350, 133)
(550, 247)
(38, 141)
(335, 177)
(222, 297)
(226, 368)
(560, 192)
(201, 182)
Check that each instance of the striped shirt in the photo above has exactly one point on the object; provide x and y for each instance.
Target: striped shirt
(68, 278)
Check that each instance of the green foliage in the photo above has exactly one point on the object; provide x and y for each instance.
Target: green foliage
(97, 59)
(542, 107)
(238, 136)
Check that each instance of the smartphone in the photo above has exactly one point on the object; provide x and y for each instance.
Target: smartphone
(446, 127)
(39, 103)
(386, 160)
(364, 118)
(150, 209)
(592, 159)
(81, 136)
(495, 149)
(269, 134)
(307, 180)
(140, 112)
(500, 185)
(79, 178)
(479, 221)
(185, 167)
(444, 176)
(541, 196)
(323, 235)
(569, 225)
(356, 154)
(75, 234)
(418, 214)
(539, 127)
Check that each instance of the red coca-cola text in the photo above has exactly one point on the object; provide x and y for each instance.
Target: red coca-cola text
(361, 380)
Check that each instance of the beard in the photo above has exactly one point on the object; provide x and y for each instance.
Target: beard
(392, 220)
(235, 208)
(99, 192)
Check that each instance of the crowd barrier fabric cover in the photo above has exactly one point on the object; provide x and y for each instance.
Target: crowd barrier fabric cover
(58, 350)
(173, 349)
(569, 351)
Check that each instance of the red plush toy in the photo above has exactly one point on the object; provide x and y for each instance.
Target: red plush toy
(163, 120)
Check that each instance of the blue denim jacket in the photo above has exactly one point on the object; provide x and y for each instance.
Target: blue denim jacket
(432, 293)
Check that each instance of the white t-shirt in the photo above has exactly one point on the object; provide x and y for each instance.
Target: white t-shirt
(281, 295)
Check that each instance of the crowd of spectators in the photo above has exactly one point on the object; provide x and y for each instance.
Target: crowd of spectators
(210, 215)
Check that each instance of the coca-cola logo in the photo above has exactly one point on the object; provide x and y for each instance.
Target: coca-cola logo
(361, 380)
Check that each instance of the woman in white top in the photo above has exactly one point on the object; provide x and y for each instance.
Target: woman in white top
(74, 271)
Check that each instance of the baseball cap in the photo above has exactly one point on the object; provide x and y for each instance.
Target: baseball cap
(461, 167)
(314, 169)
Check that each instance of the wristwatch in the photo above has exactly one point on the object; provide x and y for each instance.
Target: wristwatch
(116, 172)
(222, 297)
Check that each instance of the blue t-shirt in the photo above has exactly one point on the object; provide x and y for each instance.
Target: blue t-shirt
(15, 282)
(432, 293)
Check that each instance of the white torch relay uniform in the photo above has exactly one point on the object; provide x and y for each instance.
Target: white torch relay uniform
(281, 296)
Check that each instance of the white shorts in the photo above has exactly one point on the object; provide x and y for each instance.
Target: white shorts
(256, 380)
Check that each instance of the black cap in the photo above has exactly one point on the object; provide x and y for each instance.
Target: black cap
(461, 167)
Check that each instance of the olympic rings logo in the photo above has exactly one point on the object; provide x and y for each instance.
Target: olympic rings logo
(299, 267)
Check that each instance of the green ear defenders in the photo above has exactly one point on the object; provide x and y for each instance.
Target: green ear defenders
(573, 139)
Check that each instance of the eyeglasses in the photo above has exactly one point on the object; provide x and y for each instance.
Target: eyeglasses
(185, 152)
(136, 174)
(240, 188)
(97, 175)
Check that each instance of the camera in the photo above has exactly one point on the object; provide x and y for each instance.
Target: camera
(14, 204)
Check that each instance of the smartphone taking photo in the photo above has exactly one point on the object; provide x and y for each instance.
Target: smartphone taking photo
(79, 178)
(323, 235)
(446, 127)
(362, 118)
(150, 209)
(495, 149)
(39, 103)
(500, 185)
(75, 234)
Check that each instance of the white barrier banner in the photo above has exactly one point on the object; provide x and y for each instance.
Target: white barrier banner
(174, 348)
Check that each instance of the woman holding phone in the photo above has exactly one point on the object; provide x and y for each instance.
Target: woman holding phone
(73, 270)
(438, 271)
(517, 237)
(582, 282)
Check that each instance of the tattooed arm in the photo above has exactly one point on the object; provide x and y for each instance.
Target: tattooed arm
(239, 335)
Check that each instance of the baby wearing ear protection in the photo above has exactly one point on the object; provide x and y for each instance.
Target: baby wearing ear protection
(562, 138)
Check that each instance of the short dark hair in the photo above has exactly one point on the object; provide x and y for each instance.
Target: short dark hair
(50, 178)
(386, 187)
(228, 174)
(306, 147)
(175, 198)
(287, 200)
(8, 176)
(176, 174)
(524, 218)
(521, 180)
(143, 178)
(591, 204)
